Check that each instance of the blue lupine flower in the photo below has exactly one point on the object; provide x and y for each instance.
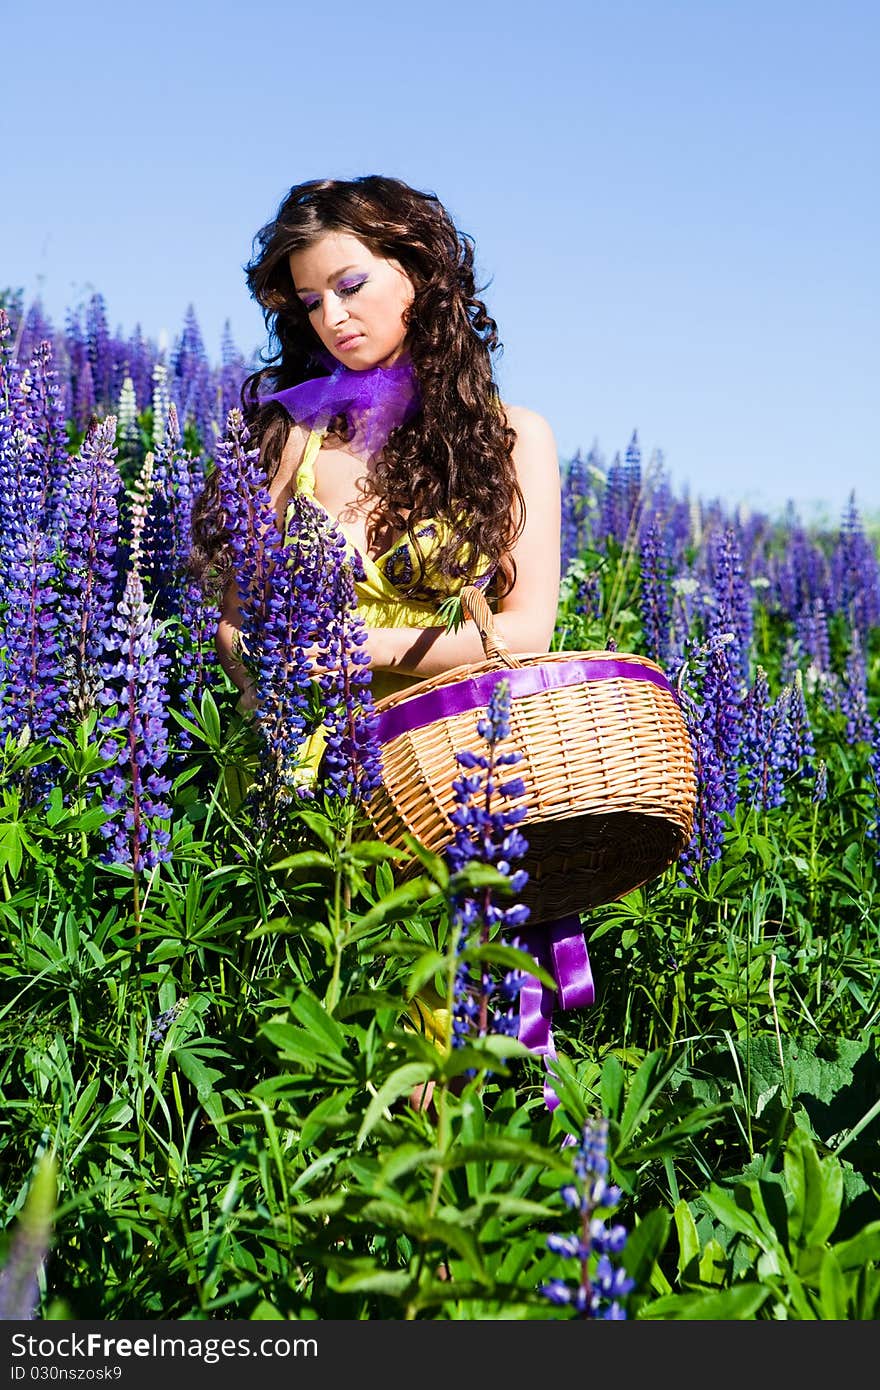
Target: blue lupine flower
(731, 610)
(712, 713)
(136, 720)
(352, 766)
(30, 651)
(279, 612)
(654, 596)
(602, 1285)
(853, 695)
(578, 504)
(616, 505)
(13, 454)
(104, 369)
(855, 577)
(812, 630)
(43, 402)
(165, 1020)
(89, 544)
(191, 382)
(167, 500)
(489, 837)
(798, 747)
(298, 602)
(763, 743)
(31, 668)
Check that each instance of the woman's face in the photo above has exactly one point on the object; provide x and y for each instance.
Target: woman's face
(355, 300)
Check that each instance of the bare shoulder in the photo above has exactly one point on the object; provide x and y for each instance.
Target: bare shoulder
(528, 425)
(292, 454)
(282, 483)
(535, 447)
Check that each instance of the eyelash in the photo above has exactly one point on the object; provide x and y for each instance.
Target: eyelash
(350, 289)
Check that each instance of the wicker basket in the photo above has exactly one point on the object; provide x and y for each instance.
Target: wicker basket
(605, 758)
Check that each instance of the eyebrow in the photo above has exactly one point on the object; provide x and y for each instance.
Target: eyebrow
(306, 289)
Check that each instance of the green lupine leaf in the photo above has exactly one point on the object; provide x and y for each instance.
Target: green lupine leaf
(833, 1289)
(688, 1240)
(738, 1304)
(816, 1190)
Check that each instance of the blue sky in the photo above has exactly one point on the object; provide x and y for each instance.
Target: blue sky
(675, 205)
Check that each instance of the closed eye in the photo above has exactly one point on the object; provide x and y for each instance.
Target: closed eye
(344, 292)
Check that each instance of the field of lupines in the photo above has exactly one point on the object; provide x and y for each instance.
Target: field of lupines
(206, 969)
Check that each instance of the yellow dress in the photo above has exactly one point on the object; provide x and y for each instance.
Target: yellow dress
(380, 602)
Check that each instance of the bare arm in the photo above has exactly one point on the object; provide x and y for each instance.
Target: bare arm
(526, 617)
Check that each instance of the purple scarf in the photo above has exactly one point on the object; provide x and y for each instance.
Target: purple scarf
(374, 401)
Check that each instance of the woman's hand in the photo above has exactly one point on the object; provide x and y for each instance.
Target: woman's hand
(248, 702)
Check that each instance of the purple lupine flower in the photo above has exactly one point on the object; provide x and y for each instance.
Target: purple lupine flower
(100, 354)
(89, 543)
(820, 785)
(722, 716)
(30, 664)
(615, 516)
(297, 594)
(34, 328)
(164, 1021)
(799, 577)
(798, 747)
(29, 1247)
(13, 457)
(852, 695)
(194, 617)
(812, 631)
(731, 610)
(43, 403)
(191, 382)
(712, 713)
(84, 400)
(855, 577)
(233, 370)
(789, 669)
(352, 764)
(77, 355)
(633, 471)
(167, 521)
(136, 719)
(139, 360)
(576, 497)
(279, 597)
(489, 837)
(764, 743)
(602, 1284)
(654, 595)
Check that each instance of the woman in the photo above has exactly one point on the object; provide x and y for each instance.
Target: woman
(382, 407)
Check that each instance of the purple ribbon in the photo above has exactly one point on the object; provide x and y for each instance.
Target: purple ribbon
(474, 692)
(559, 947)
(376, 400)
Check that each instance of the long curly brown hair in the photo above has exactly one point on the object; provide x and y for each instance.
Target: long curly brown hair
(453, 459)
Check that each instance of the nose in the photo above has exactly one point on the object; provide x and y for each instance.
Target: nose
(334, 310)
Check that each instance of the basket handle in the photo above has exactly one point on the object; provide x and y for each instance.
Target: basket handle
(477, 608)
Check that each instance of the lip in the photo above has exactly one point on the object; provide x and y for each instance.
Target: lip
(352, 338)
